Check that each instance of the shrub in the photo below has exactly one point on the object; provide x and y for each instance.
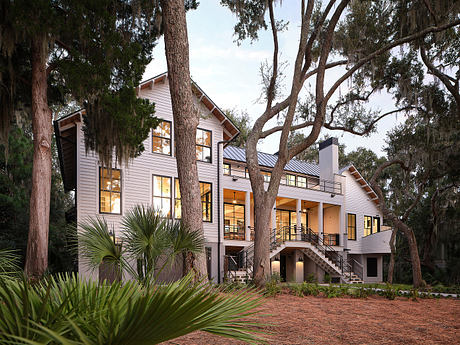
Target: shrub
(311, 278)
(390, 292)
(297, 289)
(327, 278)
(273, 288)
(361, 292)
(310, 289)
(331, 291)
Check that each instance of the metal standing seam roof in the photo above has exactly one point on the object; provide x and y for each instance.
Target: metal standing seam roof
(268, 160)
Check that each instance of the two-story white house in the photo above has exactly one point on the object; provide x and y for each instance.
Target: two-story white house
(325, 220)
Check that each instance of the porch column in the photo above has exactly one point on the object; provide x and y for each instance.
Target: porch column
(343, 230)
(320, 220)
(298, 210)
(247, 215)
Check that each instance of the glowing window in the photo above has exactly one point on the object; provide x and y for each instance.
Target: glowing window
(109, 191)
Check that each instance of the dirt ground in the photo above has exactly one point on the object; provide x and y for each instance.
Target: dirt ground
(376, 320)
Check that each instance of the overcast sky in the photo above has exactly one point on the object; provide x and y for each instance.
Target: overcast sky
(229, 73)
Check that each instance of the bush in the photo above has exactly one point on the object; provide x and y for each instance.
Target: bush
(360, 292)
(296, 289)
(273, 288)
(311, 278)
(327, 278)
(332, 291)
(390, 292)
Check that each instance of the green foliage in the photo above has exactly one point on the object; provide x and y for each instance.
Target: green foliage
(9, 263)
(331, 291)
(296, 289)
(390, 292)
(97, 53)
(243, 123)
(360, 292)
(311, 278)
(273, 287)
(149, 240)
(15, 188)
(327, 278)
(62, 310)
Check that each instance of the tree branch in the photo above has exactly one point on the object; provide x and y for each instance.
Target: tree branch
(441, 76)
(271, 87)
(385, 48)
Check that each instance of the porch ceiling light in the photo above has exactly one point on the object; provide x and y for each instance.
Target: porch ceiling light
(277, 258)
(234, 198)
(300, 259)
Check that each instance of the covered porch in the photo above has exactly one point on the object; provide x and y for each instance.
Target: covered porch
(288, 217)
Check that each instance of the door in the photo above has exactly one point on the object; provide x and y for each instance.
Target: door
(283, 268)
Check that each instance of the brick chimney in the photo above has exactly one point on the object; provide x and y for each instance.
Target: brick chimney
(329, 158)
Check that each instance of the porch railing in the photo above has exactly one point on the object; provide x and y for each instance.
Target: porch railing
(310, 182)
(234, 232)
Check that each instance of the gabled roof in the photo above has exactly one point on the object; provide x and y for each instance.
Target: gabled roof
(363, 183)
(268, 160)
(230, 129)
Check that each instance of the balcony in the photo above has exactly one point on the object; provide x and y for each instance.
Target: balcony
(299, 181)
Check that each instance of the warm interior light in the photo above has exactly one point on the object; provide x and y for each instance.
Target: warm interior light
(234, 198)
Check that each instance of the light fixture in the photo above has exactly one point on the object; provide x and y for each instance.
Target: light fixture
(277, 258)
(300, 259)
(234, 198)
(332, 195)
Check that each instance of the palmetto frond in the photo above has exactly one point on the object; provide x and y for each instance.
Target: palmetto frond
(9, 263)
(66, 310)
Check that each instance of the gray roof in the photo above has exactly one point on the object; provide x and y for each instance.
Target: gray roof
(268, 160)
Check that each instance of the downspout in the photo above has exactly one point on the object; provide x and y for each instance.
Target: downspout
(219, 240)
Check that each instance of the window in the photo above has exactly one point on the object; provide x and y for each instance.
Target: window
(206, 201)
(234, 228)
(301, 181)
(266, 175)
(162, 195)
(367, 225)
(351, 226)
(290, 180)
(109, 191)
(372, 267)
(376, 225)
(203, 145)
(227, 169)
(161, 138)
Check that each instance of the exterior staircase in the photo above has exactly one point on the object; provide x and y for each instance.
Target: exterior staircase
(240, 268)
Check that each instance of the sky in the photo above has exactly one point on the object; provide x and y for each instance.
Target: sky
(230, 73)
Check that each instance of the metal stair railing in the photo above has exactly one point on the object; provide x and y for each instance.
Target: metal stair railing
(356, 267)
(230, 267)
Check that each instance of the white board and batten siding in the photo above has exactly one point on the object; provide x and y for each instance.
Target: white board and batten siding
(136, 184)
(358, 202)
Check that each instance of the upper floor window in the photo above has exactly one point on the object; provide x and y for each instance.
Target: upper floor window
(161, 138)
(290, 180)
(367, 225)
(351, 226)
(302, 181)
(109, 191)
(206, 201)
(162, 194)
(203, 145)
(227, 169)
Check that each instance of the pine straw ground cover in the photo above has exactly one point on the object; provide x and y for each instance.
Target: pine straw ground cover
(345, 320)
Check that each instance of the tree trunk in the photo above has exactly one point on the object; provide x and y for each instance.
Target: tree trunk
(37, 243)
(391, 266)
(415, 259)
(186, 118)
(261, 270)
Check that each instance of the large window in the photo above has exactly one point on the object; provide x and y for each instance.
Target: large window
(351, 226)
(162, 195)
(234, 228)
(203, 145)
(206, 201)
(109, 191)
(290, 180)
(367, 225)
(161, 138)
